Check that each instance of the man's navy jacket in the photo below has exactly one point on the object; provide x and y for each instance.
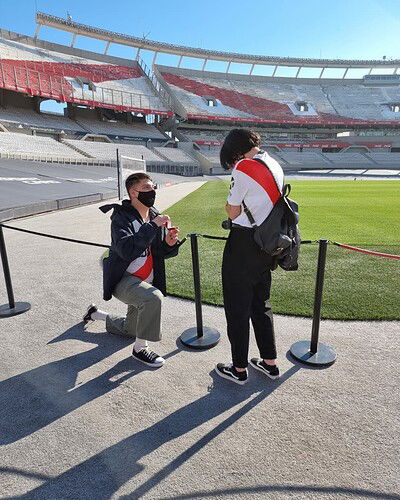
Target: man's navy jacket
(127, 245)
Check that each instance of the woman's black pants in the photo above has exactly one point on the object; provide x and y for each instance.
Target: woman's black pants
(246, 283)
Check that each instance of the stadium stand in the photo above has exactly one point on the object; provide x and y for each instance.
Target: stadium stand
(212, 155)
(108, 97)
(204, 136)
(294, 158)
(216, 96)
(118, 128)
(35, 145)
(13, 116)
(61, 75)
(348, 159)
(175, 155)
(114, 128)
(107, 151)
(392, 159)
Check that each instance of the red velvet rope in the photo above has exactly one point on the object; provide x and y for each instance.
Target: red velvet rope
(368, 252)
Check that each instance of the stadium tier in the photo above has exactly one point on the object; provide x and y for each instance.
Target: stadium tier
(35, 145)
(114, 128)
(14, 117)
(108, 99)
(66, 76)
(242, 98)
(206, 137)
(108, 150)
(299, 159)
(388, 159)
(175, 155)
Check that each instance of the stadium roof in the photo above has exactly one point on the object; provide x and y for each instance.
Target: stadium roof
(214, 55)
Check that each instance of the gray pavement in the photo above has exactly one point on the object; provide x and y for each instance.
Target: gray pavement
(28, 188)
(80, 419)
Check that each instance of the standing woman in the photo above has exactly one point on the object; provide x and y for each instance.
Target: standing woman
(246, 269)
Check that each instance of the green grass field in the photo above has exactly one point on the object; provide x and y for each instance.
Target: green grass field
(357, 286)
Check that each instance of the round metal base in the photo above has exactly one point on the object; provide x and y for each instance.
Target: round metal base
(209, 339)
(325, 355)
(20, 307)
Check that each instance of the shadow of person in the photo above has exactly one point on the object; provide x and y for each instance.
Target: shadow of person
(103, 474)
(36, 398)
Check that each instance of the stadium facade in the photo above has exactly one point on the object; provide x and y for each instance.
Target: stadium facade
(176, 118)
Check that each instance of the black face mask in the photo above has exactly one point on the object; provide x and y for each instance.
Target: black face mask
(147, 197)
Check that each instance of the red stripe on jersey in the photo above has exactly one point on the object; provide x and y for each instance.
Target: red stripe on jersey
(144, 272)
(262, 176)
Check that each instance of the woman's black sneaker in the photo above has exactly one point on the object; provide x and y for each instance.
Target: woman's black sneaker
(229, 372)
(148, 357)
(88, 316)
(269, 371)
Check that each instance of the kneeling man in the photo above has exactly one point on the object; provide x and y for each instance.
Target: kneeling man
(134, 271)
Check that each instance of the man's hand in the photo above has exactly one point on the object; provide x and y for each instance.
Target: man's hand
(162, 220)
(172, 236)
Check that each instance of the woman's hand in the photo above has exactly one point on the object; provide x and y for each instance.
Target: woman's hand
(172, 236)
(233, 211)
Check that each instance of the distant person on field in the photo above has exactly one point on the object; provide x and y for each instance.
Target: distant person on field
(134, 271)
(246, 269)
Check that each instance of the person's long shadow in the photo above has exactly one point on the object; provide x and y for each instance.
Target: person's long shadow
(36, 398)
(103, 474)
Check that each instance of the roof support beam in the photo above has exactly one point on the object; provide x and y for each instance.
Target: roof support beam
(73, 39)
(345, 73)
(227, 68)
(107, 46)
(204, 64)
(251, 69)
(154, 59)
(38, 26)
(298, 71)
(395, 71)
(275, 69)
(137, 54)
(370, 70)
(180, 61)
(322, 72)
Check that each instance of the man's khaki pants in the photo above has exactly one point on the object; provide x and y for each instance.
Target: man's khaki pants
(143, 319)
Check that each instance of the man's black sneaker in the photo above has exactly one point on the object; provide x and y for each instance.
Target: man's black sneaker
(148, 357)
(269, 371)
(88, 316)
(229, 372)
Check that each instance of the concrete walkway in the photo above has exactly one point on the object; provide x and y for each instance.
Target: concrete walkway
(79, 419)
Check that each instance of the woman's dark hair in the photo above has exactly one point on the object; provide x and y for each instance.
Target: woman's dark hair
(238, 142)
(135, 178)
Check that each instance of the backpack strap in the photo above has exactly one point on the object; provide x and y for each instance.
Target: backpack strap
(258, 160)
(286, 190)
(276, 187)
(249, 214)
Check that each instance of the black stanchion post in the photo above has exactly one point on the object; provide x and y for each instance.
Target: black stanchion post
(12, 309)
(198, 337)
(315, 353)
(196, 281)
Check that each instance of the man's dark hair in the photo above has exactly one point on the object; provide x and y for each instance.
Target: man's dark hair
(238, 142)
(135, 178)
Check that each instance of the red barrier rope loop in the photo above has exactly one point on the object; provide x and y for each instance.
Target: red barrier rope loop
(368, 252)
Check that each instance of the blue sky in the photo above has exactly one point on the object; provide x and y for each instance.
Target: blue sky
(351, 29)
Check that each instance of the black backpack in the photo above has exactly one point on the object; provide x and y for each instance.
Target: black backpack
(278, 235)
